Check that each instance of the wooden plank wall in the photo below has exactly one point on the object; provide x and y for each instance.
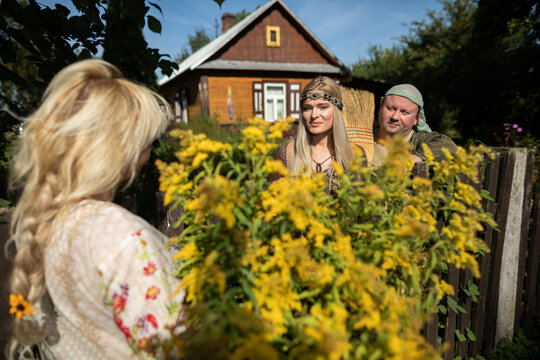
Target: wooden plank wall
(242, 95)
(294, 47)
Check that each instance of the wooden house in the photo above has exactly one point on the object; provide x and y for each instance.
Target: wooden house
(257, 67)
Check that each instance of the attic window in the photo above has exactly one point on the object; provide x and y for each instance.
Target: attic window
(272, 36)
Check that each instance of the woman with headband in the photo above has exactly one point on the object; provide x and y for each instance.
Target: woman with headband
(322, 136)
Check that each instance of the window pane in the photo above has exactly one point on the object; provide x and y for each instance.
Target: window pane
(275, 90)
(269, 110)
(280, 110)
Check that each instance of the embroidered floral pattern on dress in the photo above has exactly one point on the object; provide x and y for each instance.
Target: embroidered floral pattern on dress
(150, 269)
(136, 311)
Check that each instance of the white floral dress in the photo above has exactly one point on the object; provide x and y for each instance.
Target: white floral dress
(109, 279)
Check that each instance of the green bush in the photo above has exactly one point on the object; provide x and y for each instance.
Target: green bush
(210, 126)
(519, 348)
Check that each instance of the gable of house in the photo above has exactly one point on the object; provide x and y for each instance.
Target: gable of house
(294, 46)
(255, 68)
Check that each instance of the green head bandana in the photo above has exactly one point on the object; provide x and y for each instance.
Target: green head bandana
(410, 92)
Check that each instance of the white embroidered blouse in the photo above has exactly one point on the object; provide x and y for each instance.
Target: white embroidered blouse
(109, 278)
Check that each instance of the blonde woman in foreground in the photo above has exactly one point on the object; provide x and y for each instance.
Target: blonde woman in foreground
(99, 277)
(322, 135)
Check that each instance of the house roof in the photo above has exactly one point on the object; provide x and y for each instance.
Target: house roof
(197, 59)
(270, 66)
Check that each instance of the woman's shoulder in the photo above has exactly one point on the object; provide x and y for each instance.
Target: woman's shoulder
(284, 151)
(106, 212)
(286, 145)
(104, 220)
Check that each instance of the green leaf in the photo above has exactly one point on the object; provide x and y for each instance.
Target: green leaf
(452, 304)
(470, 334)
(249, 292)
(240, 215)
(154, 24)
(472, 291)
(460, 336)
(377, 353)
(442, 309)
(486, 195)
(309, 293)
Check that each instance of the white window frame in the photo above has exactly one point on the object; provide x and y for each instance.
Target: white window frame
(275, 98)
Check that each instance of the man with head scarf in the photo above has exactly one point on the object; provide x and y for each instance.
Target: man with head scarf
(401, 112)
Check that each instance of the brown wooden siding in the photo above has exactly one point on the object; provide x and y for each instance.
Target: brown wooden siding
(242, 95)
(191, 84)
(295, 48)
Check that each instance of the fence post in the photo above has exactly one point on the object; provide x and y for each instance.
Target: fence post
(515, 221)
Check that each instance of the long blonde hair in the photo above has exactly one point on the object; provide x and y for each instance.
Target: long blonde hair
(84, 140)
(301, 161)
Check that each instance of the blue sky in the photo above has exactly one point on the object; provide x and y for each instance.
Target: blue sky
(346, 27)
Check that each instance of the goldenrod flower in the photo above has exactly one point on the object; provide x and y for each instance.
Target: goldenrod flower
(275, 166)
(444, 288)
(371, 191)
(188, 252)
(19, 306)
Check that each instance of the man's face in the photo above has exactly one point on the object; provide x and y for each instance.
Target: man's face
(397, 115)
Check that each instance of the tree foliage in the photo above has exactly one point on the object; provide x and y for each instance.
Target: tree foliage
(37, 41)
(201, 38)
(381, 64)
(475, 63)
(124, 43)
(198, 40)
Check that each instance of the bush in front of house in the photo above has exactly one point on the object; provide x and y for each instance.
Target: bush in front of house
(286, 270)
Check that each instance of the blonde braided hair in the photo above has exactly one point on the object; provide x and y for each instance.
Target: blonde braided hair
(84, 140)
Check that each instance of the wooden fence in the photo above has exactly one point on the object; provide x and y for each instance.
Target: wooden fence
(509, 287)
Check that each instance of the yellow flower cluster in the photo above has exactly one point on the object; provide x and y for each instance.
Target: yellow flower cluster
(209, 274)
(399, 162)
(350, 276)
(216, 196)
(443, 288)
(197, 148)
(256, 135)
(329, 330)
(415, 221)
(172, 180)
(275, 166)
(459, 163)
(298, 198)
